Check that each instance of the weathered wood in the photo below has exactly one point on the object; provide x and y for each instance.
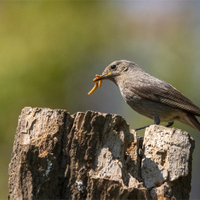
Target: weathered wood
(167, 162)
(94, 155)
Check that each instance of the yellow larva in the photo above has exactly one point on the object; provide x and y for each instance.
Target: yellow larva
(94, 88)
(96, 84)
(99, 83)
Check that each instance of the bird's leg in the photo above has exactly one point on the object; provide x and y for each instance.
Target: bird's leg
(169, 124)
(156, 121)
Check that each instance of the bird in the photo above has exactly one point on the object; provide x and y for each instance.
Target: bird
(150, 96)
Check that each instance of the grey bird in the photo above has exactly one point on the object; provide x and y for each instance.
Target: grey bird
(150, 96)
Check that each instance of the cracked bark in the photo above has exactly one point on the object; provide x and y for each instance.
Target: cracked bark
(94, 155)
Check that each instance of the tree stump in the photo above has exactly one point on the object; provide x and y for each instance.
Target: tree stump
(94, 155)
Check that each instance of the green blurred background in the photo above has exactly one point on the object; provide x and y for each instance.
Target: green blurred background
(50, 52)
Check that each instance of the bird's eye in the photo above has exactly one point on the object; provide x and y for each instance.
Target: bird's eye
(114, 67)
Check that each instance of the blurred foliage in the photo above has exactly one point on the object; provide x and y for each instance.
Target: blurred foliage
(50, 52)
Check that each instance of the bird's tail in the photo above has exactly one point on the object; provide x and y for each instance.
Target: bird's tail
(193, 121)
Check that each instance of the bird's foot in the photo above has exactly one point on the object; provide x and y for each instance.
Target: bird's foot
(137, 129)
(169, 124)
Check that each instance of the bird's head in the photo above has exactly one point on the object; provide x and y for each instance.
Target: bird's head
(116, 70)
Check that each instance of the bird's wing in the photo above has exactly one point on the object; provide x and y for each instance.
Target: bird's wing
(163, 92)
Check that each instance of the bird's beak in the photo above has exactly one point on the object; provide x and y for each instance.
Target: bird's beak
(103, 76)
